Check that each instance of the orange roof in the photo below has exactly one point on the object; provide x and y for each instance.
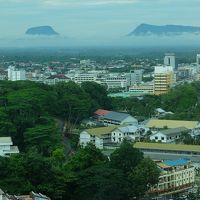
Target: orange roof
(101, 112)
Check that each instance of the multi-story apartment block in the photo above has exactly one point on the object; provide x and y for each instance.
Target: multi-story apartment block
(147, 88)
(16, 75)
(176, 176)
(163, 79)
(116, 82)
(136, 76)
(80, 78)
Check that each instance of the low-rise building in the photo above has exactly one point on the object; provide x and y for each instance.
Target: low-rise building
(6, 147)
(52, 80)
(176, 176)
(118, 118)
(169, 151)
(147, 88)
(80, 78)
(168, 135)
(108, 136)
(96, 136)
(31, 196)
(163, 124)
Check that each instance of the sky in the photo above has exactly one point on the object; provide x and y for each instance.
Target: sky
(94, 18)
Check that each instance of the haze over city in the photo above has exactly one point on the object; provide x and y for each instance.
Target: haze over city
(95, 21)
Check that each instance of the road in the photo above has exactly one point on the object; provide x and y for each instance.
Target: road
(66, 142)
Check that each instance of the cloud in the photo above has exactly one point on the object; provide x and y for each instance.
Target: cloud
(86, 2)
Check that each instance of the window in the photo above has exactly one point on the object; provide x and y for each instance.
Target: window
(162, 138)
(156, 138)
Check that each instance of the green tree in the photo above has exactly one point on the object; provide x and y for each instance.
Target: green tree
(144, 176)
(85, 158)
(97, 93)
(126, 158)
(101, 182)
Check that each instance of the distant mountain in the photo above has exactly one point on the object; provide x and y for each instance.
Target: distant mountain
(165, 30)
(41, 30)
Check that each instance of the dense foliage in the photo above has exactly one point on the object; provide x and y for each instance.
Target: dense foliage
(183, 101)
(34, 114)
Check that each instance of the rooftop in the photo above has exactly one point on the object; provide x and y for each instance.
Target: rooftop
(59, 76)
(173, 131)
(167, 147)
(116, 116)
(158, 123)
(101, 112)
(101, 131)
(179, 162)
(5, 140)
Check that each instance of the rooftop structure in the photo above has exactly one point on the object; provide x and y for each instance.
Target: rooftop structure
(160, 124)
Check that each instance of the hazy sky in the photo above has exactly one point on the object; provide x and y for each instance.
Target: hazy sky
(94, 18)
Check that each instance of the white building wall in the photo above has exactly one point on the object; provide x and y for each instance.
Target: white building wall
(16, 75)
(117, 136)
(130, 121)
(170, 60)
(85, 138)
(98, 142)
(159, 137)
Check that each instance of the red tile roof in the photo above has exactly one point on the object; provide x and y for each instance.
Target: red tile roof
(101, 112)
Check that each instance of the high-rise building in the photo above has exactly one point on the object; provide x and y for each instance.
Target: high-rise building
(16, 75)
(198, 59)
(136, 76)
(170, 60)
(163, 79)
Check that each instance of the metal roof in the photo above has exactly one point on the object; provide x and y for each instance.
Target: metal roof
(158, 123)
(173, 131)
(167, 147)
(101, 131)
(116, 116)
(178, 162)
(101, 112)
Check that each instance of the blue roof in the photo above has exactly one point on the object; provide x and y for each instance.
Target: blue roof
(178, 162)
(117, 116)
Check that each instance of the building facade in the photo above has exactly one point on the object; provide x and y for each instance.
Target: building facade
(176, 176)
(170, 60)
(16, 75)
(6, 147)
(163, 79)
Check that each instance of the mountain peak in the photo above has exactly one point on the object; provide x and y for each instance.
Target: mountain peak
(41, 30)
(168, 30)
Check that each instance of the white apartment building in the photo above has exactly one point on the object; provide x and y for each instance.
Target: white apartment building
(168, 135)
(116, 82)
(16, 75)
(80, 78)
(6, 147)
(136, 76)
(147, 88)
(176, 176)
(108, 136)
